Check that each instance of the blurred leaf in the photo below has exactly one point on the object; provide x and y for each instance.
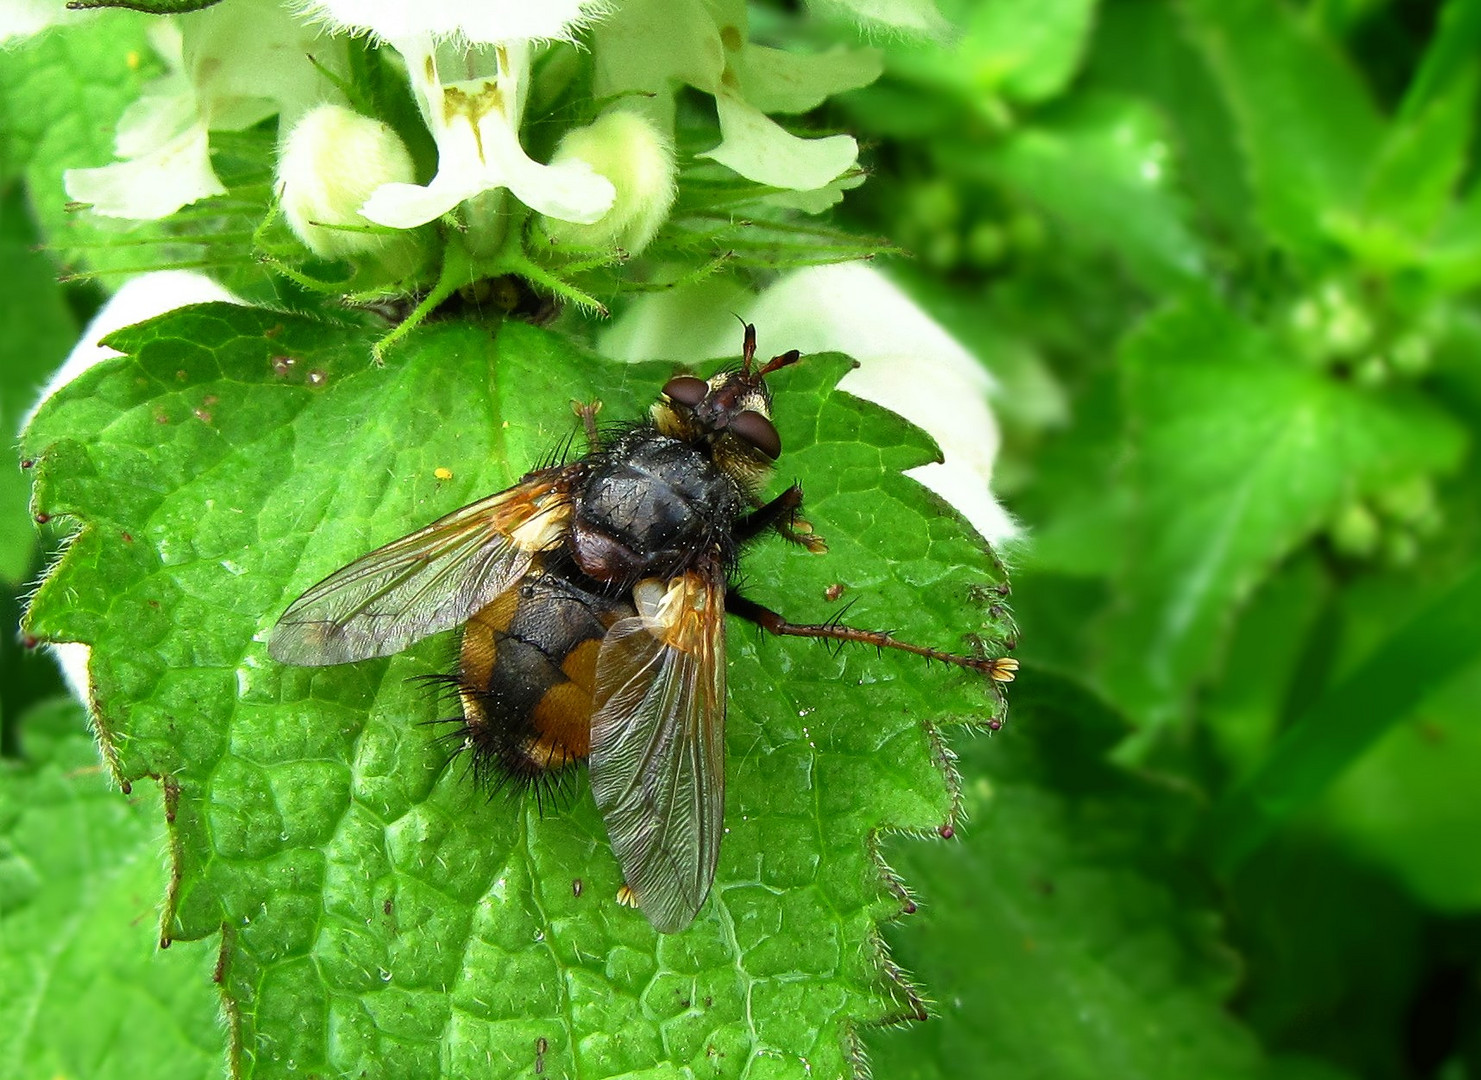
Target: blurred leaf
(1140, 48)
(1245, 707)
(1238, 456)
(87, 991)
(1319, 981)
(1103, 167)
(1411, 803)
(381, 913)
(1417, 658)
(1411, 183)
(1061, 933)
(1449, 58)
(1307, 124)
(39, 329)
(1025, 50)
(61, 95)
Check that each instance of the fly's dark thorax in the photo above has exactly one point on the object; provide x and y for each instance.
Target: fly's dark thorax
(651, 508)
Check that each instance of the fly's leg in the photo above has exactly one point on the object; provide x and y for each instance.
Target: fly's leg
(781, 514)
(1000, 669)
(588, 410)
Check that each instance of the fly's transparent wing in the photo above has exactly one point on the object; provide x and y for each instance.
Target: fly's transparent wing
(658, 743)
(432, 580)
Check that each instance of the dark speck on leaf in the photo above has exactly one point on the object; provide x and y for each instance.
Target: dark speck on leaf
(42, 519)
(576, 887)
(947, 832)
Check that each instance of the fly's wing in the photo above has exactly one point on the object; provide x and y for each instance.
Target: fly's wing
(658, 743)
(432, 580)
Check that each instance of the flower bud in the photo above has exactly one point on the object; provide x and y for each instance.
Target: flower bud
(1355, 532)
(330, 163)
(639, 161)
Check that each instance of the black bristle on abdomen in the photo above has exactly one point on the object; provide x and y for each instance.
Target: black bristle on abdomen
(497, 757)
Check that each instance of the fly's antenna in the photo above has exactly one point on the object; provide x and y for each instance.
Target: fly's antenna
(791, 356)
(748, 348)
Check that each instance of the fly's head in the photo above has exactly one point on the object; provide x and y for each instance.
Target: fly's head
(730, 413)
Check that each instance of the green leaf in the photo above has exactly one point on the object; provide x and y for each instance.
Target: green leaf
(87, 991)
(1103, 167)
(1307, 124)
(1243, 710)
(1025, 50)
(1411, 183)
(1141, 49)
(39, 329)
(1411, 804)
(1450, 56)
(149, 7)
(380, 912)
(1061, 933)
(61, 95)
(1319, 981)
(1239, 455)
(1439, 643)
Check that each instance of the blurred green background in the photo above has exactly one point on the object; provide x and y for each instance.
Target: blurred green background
(1221, 258)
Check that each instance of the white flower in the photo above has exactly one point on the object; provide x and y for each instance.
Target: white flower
(650, 45)
(907, 362)
(469, 66)
(638, 159)
(330, 163)
(229, 67)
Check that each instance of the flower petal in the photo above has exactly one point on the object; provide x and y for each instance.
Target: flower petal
(405, 206)
(152, 186)
(760, 150)
(571, 190)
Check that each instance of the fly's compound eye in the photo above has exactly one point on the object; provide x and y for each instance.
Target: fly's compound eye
(686, 390)
(759, 432)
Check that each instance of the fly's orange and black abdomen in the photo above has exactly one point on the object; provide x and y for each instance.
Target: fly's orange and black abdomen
(526, 674)
(650, 507)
